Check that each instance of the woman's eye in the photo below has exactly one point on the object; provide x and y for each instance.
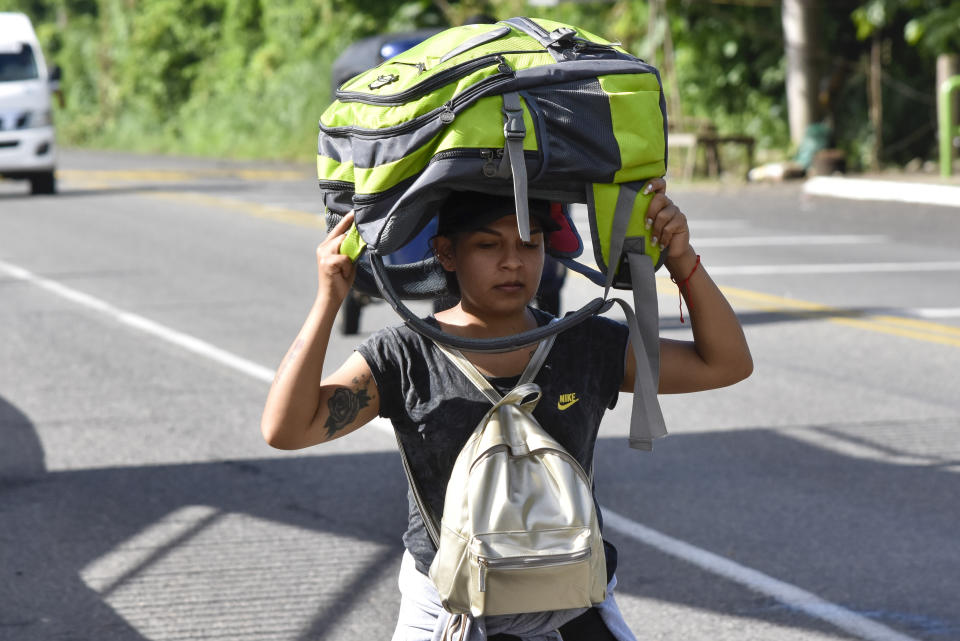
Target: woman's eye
(486, 245)
(531, 245)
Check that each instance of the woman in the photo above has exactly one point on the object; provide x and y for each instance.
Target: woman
(402, 376)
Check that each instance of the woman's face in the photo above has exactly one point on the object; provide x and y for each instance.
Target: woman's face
(498, 273)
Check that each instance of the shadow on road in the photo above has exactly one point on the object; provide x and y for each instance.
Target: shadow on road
(874, 537)
(756, 496)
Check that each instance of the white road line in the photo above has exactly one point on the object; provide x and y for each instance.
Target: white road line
(934, 312)
(790, 595)
(187, 342)
(767, 241)
(834, 268)
(172, 336)
(698, 226)
(787, 594)
(862, 189)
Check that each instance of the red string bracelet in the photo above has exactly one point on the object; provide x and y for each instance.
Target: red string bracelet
(684, 285)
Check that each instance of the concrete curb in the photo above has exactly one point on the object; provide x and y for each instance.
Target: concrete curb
(887, 190)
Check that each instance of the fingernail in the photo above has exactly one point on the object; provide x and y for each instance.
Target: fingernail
(649, 223)
(648, 188)
(653, 241)
(662, 247)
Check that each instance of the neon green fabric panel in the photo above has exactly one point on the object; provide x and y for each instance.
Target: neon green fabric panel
(330, 169)
(473, 130)
(369, 116)
(428, 54)
(430, 51)
(373, 180)
(353, 245)
(638, 123)
(605, 204)
(653, 169)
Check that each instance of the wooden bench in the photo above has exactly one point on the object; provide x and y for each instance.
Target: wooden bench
(710, 142)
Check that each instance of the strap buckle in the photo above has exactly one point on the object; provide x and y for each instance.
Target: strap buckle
(513, 127)
(561, 35)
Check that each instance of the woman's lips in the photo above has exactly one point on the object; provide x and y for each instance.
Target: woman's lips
(511, 287)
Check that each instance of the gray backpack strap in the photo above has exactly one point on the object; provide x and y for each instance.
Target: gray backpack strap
(514, 131)
(476, 41)
(622, 213)
(552, 41)
(646, 420)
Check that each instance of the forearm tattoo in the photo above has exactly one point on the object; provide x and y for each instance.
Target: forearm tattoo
(345, 405)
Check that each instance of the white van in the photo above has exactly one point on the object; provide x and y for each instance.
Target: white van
(27, 147)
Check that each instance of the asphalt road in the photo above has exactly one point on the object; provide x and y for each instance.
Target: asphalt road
(143, 308)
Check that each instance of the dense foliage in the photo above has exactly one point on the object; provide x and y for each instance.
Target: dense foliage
(249, 78)
(208, 77)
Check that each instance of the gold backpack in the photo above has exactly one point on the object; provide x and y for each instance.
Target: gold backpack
(519, 531)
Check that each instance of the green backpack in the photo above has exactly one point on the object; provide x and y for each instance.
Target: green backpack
(529, 107)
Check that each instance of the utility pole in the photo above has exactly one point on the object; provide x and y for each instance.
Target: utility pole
(800, 40)
(948, 65)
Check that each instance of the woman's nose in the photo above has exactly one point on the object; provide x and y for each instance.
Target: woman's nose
(511, 257)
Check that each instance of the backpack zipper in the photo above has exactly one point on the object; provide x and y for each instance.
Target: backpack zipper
(526, 562)
(421, 67)
(489, 167)
(335, 185)
(445, 113)
(441, 79)
(367, 199)
(561, 453)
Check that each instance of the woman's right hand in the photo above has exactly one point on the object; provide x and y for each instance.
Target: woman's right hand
(335, 271)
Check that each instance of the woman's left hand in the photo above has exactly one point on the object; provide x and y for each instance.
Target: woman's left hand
(667, 223)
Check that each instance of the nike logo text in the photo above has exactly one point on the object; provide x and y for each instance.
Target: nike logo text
(566, 400)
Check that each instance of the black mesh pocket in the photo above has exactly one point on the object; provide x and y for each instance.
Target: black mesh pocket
(578, 130)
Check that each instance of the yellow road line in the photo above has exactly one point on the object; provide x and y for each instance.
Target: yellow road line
(883, 323)
(180, 175)
(268, 212)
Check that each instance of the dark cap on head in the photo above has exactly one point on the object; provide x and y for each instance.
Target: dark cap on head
(465, 211)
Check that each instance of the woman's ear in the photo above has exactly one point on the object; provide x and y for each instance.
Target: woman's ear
(443, 250)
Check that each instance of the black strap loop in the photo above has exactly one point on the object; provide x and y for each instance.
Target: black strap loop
(504, 344)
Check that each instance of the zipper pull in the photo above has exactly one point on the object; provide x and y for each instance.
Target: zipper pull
(503, 66)
(447, 115)
(489, 169)
(383, 81)
(482, 563)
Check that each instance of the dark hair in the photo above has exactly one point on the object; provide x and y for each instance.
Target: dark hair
(450, 278)
(470, 210)
(467, 211)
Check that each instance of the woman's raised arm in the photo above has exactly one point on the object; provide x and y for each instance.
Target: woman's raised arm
(718, 355)
(303, 408)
